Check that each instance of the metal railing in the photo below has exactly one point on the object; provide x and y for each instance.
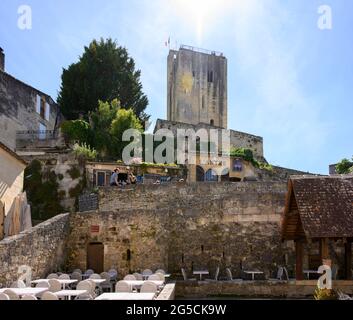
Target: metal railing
(32, 135)
(215, 53)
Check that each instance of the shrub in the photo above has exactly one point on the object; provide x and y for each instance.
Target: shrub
(344, 167)
(325, 294)
(84, 151)
(76, 130)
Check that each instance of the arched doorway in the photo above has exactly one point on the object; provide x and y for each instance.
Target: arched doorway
(95, 257)
(200, 174)
(211, 176)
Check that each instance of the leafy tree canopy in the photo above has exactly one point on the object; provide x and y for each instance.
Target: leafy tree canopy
(105, 129)
(345, 166)
(104, 72)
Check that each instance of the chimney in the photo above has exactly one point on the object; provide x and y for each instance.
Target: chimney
(2, 60)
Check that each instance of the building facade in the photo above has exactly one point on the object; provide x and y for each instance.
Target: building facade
(24, 109)
(11, 181)
(197, 87)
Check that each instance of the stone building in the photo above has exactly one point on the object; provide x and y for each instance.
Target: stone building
(11, 181)
(24, 110)
(197, 87)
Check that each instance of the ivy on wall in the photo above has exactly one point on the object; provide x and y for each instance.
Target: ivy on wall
(42, 192)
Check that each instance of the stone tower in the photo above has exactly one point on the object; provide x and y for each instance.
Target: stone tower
(197, 87)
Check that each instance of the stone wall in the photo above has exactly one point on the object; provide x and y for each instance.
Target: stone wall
(237, 139)
(189, 195)
(258, 289)
(18, 109)
(192, 226)
(42, 248)
(69, 171)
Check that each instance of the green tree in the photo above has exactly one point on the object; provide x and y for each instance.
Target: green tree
(124, 120)
(345, 166)
(101, 122)
(104, 72)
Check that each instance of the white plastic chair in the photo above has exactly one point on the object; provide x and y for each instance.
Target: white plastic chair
(185, 276)
(64, 277)
(107, 283)
(229, 274)
(147, 272)
(89, 272)
(138, 276)
(88, 286)
(154, 277)
(76, 276)
(123, 286)
(49, 296)
(53, 276)
(216, 276)
(161, 276)
(29, 297)
(78, 271)
(279, 276)
(129, 277)
(95, 276)
(149, 287)
(54, 285)
(11, 294)
(18, 284)
(4, 296)
(160, 271)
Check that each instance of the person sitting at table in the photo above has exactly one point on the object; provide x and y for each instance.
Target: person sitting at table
(131, 178)
(114, 178)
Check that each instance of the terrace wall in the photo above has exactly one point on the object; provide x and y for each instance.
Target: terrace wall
(42, 248)
(192, 226)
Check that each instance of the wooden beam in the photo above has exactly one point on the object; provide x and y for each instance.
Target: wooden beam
(348, 260)
(299, 260)
(324, 252)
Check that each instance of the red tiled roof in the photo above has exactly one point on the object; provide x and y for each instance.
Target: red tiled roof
(325, 205)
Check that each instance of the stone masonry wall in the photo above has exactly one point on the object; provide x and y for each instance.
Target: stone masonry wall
(42, 248)
(18, 109)
(192, 226)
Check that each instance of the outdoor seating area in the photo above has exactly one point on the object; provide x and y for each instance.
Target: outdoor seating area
(89, 285)
(227, 275)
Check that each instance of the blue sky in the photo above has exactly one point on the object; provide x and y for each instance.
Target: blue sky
(288, 81)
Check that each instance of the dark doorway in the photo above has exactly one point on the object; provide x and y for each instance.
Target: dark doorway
(200, 174)
(95, 257)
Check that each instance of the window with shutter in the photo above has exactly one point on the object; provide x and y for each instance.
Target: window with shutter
(47, 111)
(38, 102)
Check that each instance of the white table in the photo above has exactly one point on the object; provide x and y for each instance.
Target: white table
(253, 273)
(126, 296)
(201, 272)
(69, 293)
(309, 272)
(26, 291)
(138, 283)
(63, 282)
(97, 281)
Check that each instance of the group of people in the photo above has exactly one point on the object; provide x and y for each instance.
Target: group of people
(115, 181)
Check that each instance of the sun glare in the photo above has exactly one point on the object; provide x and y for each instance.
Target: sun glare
(200, 15)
